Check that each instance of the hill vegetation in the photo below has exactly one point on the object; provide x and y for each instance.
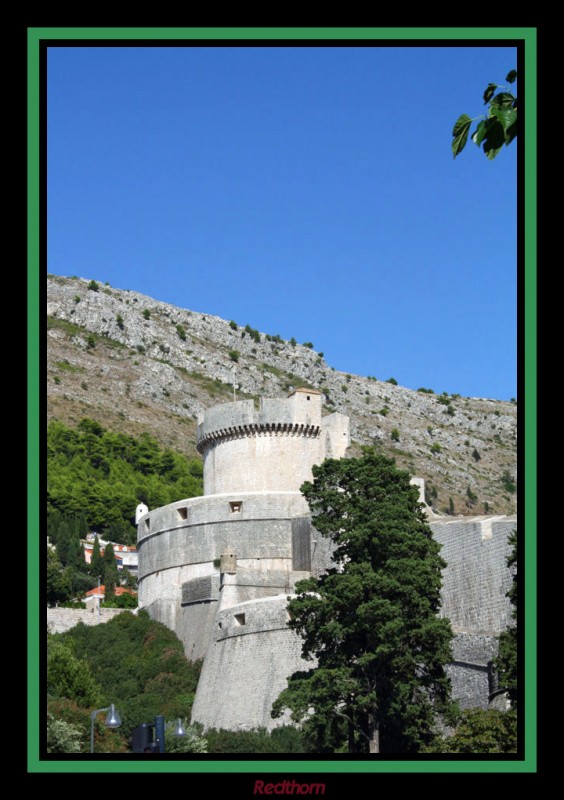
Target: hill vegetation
(137, 365)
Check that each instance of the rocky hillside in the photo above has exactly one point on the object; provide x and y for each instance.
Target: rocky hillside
(136, 364)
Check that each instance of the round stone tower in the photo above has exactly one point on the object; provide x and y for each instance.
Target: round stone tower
(271, 449)
(217, 569)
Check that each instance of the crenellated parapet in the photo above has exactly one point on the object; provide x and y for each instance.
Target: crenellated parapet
(269, 448)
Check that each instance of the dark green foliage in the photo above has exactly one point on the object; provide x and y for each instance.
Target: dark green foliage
(234, 355)
(451, 506)
(67, 712)
(392, 381)
(450, 411)
(90, 341)
(293, 342)
(77, 298)
(96, 561)
(495, 130)
(233, 325)
(472, 496)
(476, 456)
(59, 580)
(372, 622)
(425, 391)
(480, 731)
(253, 333)
(105, 475)
(122, 601)
(508, 482)
(436, 448)
(507, 661)
(285, 739)
(70, 676)
(384, 411)
(181, 331)
(308, 344)
(110, 571)
(93, 286)
(146, 313)
(119, 320)
(394, 435)
(140, 348)
(140, 666)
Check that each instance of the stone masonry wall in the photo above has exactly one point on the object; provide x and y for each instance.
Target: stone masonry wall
(60, 620)
(245, 669)
(477, 578)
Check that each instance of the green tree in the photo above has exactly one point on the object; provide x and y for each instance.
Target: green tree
(370, 622)
(69, 676)
(506, 661)
(110, 572)
(96, 561)
(62, 737)
(479, 731)
(59, 581)
(191, 742)
(495, 130)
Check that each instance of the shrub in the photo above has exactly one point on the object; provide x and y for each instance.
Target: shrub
(450, 506)
(119, 320)
(90, 341)
(425, 391)
(344, 388)
(508, 482)
(308, 344)
(476, 456)
(93, 286)
(234, 355)
(392, 381)
(394, 435)
(181, 331)
(140, 348)
(450, 411)
(436, 448)
(472, 496)
(429, 430)
(233, 325)
(77, 298)
(384, 411)
(146, 313)
(293, 342)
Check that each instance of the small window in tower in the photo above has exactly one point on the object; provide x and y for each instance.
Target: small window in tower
(239, 619)
(236, 506)
(182, 512)
(148, 524)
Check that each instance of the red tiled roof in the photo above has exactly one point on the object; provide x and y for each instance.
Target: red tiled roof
(102, 590)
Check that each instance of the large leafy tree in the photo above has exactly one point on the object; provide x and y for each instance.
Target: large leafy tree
(494, 130)
(370, 622)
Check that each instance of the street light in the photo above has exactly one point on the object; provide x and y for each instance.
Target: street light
(113, 720)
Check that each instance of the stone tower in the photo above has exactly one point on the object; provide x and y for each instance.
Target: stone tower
(217, 569)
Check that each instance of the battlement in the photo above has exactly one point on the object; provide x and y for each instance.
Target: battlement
(272, 448)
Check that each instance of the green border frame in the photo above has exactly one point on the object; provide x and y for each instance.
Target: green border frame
(528, 36)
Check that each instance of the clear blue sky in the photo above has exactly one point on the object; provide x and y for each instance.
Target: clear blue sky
(308, 191)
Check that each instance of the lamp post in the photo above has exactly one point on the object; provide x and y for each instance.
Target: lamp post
(113, 720)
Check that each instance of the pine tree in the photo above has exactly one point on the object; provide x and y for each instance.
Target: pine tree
(110, 572)
(371, 622)
(96, 562)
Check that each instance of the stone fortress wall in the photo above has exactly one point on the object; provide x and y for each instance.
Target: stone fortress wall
(218, 569)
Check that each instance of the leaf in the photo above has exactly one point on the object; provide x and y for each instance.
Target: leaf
(511, 76)
(503, 100)
(489, 92)
(507, 117)
(494, 138)
(460, 133)
(479, 133)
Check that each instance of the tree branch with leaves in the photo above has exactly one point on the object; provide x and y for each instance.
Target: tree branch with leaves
(496, 129)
